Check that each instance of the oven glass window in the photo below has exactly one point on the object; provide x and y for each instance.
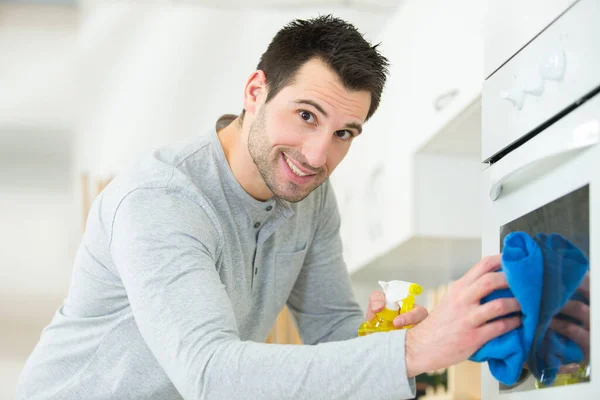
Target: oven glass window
(560, 351)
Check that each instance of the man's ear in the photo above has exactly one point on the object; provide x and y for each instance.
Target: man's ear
(255, 91)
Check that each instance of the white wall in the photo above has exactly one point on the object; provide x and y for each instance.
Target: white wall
(38, 237)
(166, 72)
(39, 231)
(36, 241)
(38, 210)
(37, 66)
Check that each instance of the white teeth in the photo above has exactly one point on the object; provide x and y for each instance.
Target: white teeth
(294, 169)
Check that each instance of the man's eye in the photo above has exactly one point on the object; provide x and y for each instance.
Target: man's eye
(344, 135)
(307, 116)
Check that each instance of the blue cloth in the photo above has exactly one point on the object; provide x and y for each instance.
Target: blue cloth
(542, 275)
(522, 262)
(565, 267)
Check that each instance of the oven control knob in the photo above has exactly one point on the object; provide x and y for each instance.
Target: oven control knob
(533, 84)
(553, 66)
(515, 95)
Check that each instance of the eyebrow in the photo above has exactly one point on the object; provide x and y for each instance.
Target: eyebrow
(354, 125)
(315, 105)
(351, 125)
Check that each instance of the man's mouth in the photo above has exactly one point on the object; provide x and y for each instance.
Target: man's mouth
(295, 168)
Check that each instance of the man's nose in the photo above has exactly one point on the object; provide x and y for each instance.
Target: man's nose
(315, 149)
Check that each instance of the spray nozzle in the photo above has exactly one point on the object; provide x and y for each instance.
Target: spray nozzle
(400, 295)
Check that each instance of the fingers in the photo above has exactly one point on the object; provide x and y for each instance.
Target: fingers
(487, 264)
(485, 285)
(584, 286)
(568, 369)
(576, 333)
(494, 309)
(579, 311)
(413, 317)
(376, 304)
(497, 328)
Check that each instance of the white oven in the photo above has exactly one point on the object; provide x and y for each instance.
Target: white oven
(541, 128)
(551, 184)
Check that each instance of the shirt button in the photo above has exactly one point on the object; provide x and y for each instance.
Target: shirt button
(269, 208)
(256, 225)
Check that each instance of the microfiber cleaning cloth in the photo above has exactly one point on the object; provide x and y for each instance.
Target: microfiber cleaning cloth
(565, 267)
(522, 263)
(542, 275)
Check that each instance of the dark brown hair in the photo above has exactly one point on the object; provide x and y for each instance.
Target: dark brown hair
(339, 44)
(224, 120)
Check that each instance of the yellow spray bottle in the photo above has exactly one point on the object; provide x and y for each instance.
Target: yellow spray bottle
(399, 299)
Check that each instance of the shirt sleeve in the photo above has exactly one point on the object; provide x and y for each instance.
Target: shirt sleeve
(165, 248)
(322, 300)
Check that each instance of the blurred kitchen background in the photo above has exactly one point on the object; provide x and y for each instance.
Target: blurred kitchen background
(87, 86)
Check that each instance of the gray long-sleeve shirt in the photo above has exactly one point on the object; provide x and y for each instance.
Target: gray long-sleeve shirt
(179, 278)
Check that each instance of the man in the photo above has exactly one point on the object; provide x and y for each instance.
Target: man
(188, 258)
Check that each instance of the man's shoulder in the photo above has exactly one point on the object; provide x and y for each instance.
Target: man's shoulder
(160, 177)
(177, 154)
(164, 167)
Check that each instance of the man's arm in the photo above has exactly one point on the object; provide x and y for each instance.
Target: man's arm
(164, 247)
(322, 300)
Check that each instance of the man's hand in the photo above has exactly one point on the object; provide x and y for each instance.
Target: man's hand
(413, 317)
(458, 326)
(580, 334)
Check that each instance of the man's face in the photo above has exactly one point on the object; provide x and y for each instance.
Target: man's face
(300, 136)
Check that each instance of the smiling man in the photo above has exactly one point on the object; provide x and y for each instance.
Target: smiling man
(287, 154)
(189, 256)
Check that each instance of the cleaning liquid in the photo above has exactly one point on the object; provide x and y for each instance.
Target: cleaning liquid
(399, 299)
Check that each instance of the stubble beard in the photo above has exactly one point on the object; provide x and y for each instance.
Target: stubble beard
(260, 151)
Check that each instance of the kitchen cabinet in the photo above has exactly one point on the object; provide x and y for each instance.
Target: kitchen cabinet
(435, 49)
(407, 191)
(415, 217)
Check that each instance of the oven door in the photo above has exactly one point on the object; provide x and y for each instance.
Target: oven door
(551, 185)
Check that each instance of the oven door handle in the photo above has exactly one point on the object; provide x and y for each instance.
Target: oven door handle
(584, 136)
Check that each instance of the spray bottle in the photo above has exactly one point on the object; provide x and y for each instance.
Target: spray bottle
(399, 299)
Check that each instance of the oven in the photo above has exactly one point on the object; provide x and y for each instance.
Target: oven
(540, 134)
(550, 185)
